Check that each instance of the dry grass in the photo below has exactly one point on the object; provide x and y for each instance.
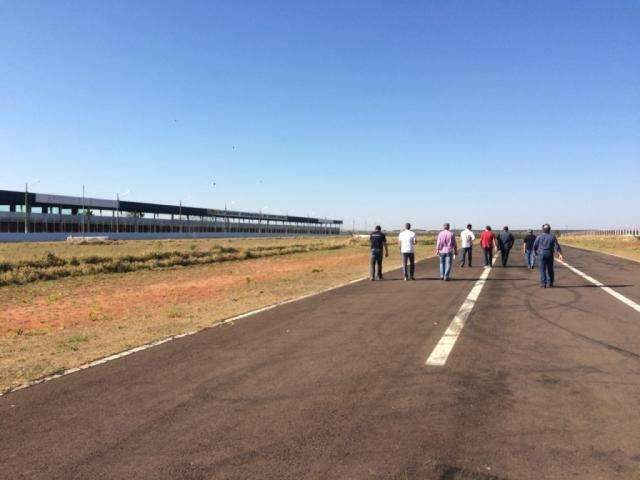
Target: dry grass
(58, 324)
(52, 267)
(627, 247)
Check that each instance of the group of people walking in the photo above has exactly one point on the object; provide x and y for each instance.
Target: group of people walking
(539, 249)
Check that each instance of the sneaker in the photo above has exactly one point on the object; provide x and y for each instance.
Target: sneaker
(413, 278)
(551, 285)
(372, 279)
(380, 277)
(462, 265)
(446, 279)
(543, 286)
(406, 279)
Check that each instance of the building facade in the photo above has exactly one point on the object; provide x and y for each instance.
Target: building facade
(35, 213)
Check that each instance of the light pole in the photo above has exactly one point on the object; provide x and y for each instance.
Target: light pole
(84, 211)
(261, 217)
(118, 209)
(26, 205)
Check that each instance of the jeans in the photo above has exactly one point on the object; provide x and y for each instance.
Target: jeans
(376, 259)
(445, 264)
(546, 269)
(466, 251)
(529, 258)
(411, 259)
(505, 256)
(488, 256)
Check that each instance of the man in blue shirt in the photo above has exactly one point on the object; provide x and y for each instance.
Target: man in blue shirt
(544, 247)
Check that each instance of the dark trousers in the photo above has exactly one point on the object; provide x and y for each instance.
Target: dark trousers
(488, 256)
(376, 259)
(546, 269)
(466, 251)
(505, 256)
(409, 258)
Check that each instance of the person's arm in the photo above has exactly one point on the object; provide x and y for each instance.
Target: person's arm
(558, 249)
(438, 244)
(536, 245)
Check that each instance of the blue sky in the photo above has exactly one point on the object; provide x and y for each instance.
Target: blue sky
(490, 112)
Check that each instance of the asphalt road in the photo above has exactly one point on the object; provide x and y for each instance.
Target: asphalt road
(541, 384)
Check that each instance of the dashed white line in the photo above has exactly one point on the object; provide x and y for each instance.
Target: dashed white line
(441, 352)
(597, 283)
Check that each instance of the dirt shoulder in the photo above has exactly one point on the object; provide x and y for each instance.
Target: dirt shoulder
(625, 247)
(47, 326)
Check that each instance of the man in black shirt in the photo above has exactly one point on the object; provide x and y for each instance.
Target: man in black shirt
(378, 242)
(527, 248)
(505, 243)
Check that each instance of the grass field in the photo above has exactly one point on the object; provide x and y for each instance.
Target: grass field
(50, 325)
(627, 247)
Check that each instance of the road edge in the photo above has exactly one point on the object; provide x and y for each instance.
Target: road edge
(146, 346)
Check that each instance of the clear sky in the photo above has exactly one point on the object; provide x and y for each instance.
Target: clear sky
(486, 112)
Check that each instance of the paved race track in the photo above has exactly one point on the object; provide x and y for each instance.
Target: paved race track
(541, 384)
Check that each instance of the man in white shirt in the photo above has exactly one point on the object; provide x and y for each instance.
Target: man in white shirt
(407, 241)
(466, 241)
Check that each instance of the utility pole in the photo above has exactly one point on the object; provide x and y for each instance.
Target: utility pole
(26, 208)
(118, 214)
(84, 211)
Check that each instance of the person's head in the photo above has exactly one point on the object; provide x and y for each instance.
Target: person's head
(488, 228)
(530, 232)
(378, 228)
(407, 226)
(546, 228)
(446, 226)
(505, 228)
(469, 226)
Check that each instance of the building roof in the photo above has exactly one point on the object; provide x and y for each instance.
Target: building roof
(8, 197)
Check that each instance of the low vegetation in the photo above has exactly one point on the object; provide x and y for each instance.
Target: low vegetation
(51, 266)
(624, 246)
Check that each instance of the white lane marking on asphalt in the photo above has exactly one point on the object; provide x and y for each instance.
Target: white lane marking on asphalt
(597, 283)
(441, 352)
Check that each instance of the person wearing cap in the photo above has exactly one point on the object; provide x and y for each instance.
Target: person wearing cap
(378, 242)
(545, 246)
(407, 241)
(446, 248)
(466, 242)
(488, 243)
(527, 248)
(505, 243)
